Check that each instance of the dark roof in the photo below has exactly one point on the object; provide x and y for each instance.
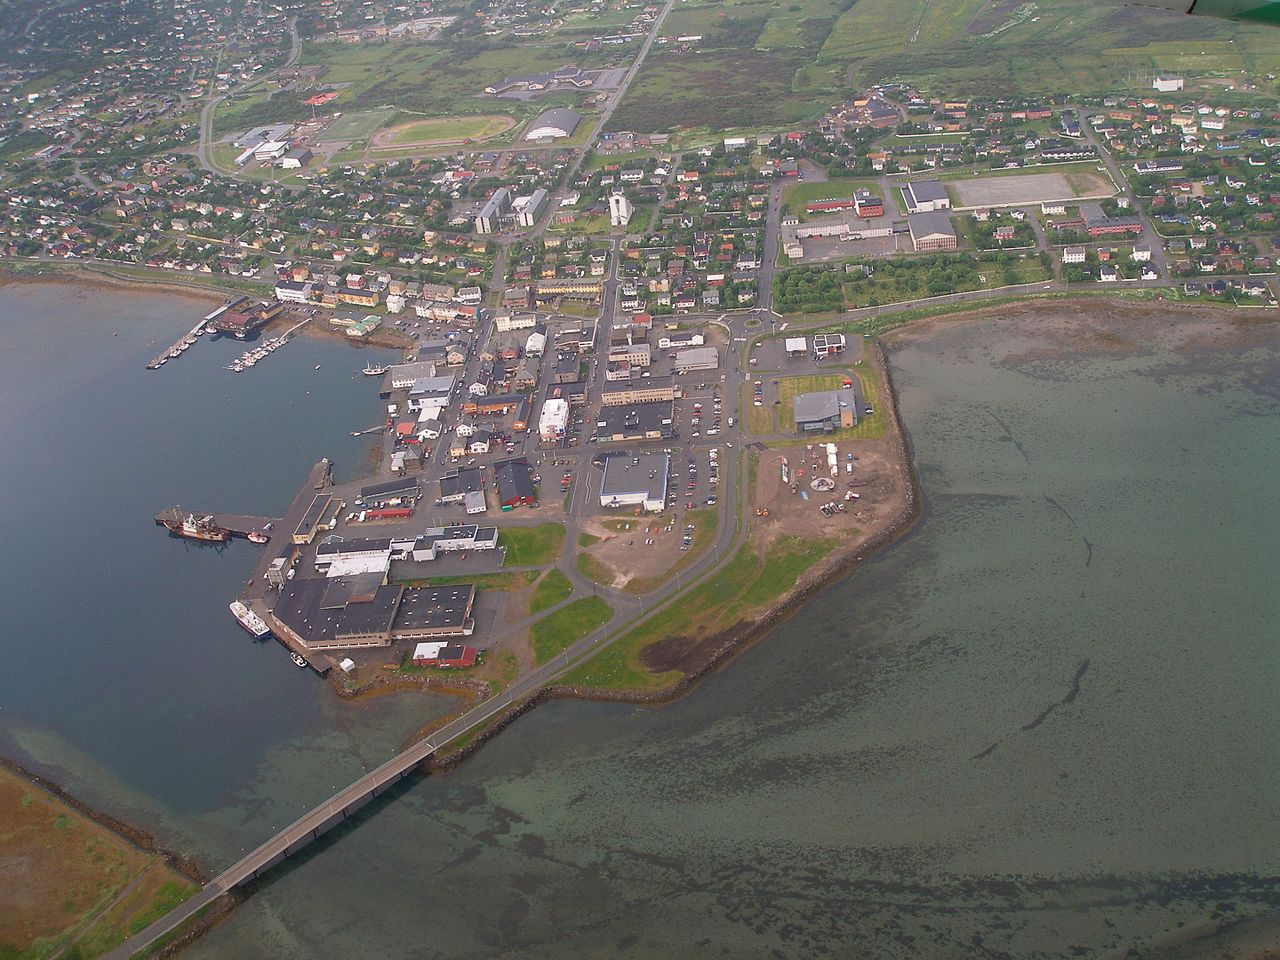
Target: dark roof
(635, 420)
(373, 616)
(391, 488)
(467, 480)
(513, 479)
(358, 588)
(299, 608)
(434, 608)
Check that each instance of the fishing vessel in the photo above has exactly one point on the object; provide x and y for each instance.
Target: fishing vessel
(373, 371)
(299, 659)
(193, 527)
(249, 620)
(256, 536)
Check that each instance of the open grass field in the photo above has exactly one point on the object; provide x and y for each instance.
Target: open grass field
(444, 78)
(68, 879)
(531, 546)
(796, 195)
(551, 589)
(445, 130)
(731, 594)
(359, 125)
(568, 625)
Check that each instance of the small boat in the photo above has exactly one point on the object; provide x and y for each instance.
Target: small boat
(317, 366)
(373, 371)
(299, 659)
(254, 536)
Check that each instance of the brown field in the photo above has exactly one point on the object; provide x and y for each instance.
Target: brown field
(67, 878)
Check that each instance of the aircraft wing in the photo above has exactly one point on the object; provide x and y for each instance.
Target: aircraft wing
(1249, 11)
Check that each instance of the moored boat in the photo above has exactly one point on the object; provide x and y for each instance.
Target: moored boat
(249, 620)
(195, 528)
(299, 659)
(374, 371)
(255, 536)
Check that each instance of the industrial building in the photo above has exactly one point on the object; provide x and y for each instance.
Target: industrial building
(925, 196)
(639, 481)
(554, 124)
(931, 231)
(349, 612)
(697, 358)
(513, 481)
(466, 536)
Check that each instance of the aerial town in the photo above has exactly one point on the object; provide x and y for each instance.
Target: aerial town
(590, 316)
(613, 276)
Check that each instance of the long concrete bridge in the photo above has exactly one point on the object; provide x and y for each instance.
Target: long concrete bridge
(329, 814)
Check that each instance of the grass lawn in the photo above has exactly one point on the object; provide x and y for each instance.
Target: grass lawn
(587, 539)
(551, 589)
(759, 419)
(868, 428)
(567, 625)
(450, 129)
(531, 546)
(796, 195)
(357, 126)
(593, 569)
(744, 583)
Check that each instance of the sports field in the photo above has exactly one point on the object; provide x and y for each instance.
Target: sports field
(357, 126)
(1013, 191)
(444, 130)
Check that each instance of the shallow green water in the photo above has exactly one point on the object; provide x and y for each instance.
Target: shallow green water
(1044, 725)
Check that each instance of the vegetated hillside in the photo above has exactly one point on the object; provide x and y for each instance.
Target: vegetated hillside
(761, 64)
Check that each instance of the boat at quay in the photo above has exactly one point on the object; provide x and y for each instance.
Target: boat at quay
(249, 620)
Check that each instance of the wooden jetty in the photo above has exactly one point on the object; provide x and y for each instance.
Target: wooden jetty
(181, 345)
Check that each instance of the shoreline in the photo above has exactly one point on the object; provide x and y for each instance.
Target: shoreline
(11, 273)
(135, 836)
(723, 647)
(740, 637)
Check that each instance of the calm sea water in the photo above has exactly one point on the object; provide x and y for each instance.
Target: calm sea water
(124, 677)
(1043, 725)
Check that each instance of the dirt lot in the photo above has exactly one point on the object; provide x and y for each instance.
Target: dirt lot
(876, 478)
(1026, 188)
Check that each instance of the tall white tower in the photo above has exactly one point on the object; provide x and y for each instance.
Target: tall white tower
(620, 209)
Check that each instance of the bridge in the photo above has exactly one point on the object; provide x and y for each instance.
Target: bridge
(330, 813)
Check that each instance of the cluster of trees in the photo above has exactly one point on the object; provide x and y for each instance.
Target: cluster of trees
(807, 290)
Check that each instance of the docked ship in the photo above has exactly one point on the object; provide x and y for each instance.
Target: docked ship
(193, 527)
(374, 371)
(299, 659)
(249, 620)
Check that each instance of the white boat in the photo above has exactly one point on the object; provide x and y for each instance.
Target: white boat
(299, 659)
(317, 366)
(249, 620)
(372, 371)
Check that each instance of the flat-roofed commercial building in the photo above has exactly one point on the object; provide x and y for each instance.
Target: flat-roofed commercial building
(637, 421)
(635, 481)
(638, 391)
(697, 358)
